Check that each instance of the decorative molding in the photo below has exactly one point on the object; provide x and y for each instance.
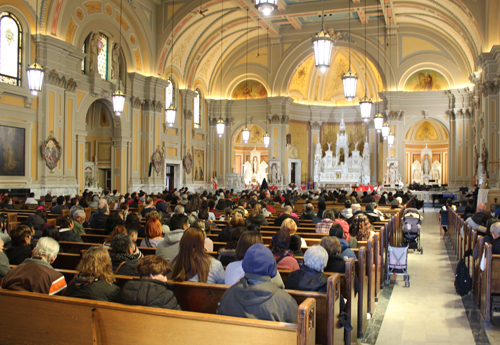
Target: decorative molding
(188, 114)
(315, 125)
(136, 102)
(147, 105)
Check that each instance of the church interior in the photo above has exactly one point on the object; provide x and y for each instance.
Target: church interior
(155, 95)
(429, 69)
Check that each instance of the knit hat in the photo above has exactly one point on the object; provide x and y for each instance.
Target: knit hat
(281, 239)
(259, 260)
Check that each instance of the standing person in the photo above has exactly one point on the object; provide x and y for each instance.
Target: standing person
(95, 278)
(193, 263)
(262, 299)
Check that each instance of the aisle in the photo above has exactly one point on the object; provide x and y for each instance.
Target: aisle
(429, 312)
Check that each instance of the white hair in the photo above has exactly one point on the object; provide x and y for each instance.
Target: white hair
(316, 257)
(399, 200)
(47, 247)
(179, 209)
(79, 213)
(355, 207)
(495, 228)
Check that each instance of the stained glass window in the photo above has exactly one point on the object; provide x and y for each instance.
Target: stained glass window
(10, 49)
(169, 94)
(102, 56)
(196, 110)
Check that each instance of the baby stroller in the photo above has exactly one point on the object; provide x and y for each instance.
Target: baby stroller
(410, 224)
(398, 264)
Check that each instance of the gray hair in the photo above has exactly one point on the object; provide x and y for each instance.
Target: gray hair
(79, 213)
(179, 209)
(399, 200)
(47, 247)
(330, 214)
(192, 219)
(316, 257)
(121, 243)
(102, 206)
(495, 228)
(355, 207)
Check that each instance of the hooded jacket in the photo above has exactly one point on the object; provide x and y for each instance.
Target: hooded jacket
(346, 250)
(169, 247)
(256, 297)
(88, 287)
(346, 213)
(475, 220)
(149, 293)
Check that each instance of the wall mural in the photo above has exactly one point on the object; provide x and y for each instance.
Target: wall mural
(12, 150)
(199, 165)
(426, 80)
(249, 89)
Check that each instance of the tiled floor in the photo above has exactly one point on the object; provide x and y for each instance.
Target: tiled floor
(429, 311)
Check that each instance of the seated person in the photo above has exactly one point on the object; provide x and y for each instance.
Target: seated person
(256, 217)
(279, 246)
(295, 244)
(61, 205)
(123, 259)
(4, 261)
(152, 289)
(476, 220)
(290, 227)
(227, 254)
(346, 251)
(95, 278)
(372, 214)
(36, 274)
(463, 205)
(287, 213)
(308, 212)
(361, 229)
(396, 203)
(21, 247)
(193, 263)
(66, 233)
(234, 271)
(154, 234)
(99, 217)
(169, 247)
(346, 213)
(263, 300)
(310, 277)
(326, 223)
(443, 214)
(319, 216)
(494, 238)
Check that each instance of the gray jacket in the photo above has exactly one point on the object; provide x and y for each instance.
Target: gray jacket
(4, 264)
(169, 247)
(256, 297)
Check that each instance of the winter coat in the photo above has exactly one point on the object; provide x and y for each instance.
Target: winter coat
(278, 221)
(98, 220)
(306, 279)
(149, 293)
(256, 297)
(258, 220)
(88, 287)
(37, 221)
(128, 268)
(17, 254)
(68, 235)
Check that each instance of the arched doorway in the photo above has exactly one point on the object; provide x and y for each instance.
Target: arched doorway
(426, 151)
(250, 159)
(98, 162)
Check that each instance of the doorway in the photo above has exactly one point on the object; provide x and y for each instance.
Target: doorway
(170, 177)
(105, 179)
(294, 165)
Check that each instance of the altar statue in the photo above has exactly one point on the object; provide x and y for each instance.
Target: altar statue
(427, 166)
(255, 165)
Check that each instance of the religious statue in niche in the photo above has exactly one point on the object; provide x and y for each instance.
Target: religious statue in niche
(427, 165)
(484, 158)
(51, 152)
(94, 52)
(255, 165)
(115, 62)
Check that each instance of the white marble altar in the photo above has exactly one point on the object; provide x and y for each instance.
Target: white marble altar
(255, 170)
(332, 170)
(235, 181)
(392, 176)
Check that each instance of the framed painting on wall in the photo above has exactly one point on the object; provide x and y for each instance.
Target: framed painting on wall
(51, 152)
(199, 165)
(12, 148)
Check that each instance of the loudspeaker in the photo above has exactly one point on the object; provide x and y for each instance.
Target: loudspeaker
(150, 168)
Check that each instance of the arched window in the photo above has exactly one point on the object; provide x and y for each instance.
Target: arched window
(11, 48)
(169, 94)
(102, 56)
(197, 110)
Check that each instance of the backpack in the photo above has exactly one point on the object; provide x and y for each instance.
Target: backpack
(463, 281)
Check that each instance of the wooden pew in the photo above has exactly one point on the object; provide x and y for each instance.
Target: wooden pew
(65, 320)
(363, 277)
(204, 298)
(371, 269)
(490, 282)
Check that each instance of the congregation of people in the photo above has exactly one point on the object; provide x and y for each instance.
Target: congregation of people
(176, 223)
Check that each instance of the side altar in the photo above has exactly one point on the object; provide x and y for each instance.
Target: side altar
(333, 170)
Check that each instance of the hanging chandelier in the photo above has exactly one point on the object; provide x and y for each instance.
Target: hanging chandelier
(385, 130)
(322, 44)
(221, 125)
(266, 137)
(266, 6)
(171, 112)
(35, 71)
(246, 131)
(118, 96)
(267, 140)
(245, 134)
(365, 104)
(170, 115)
(350, 79)
(390, 139)
(378, 121)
